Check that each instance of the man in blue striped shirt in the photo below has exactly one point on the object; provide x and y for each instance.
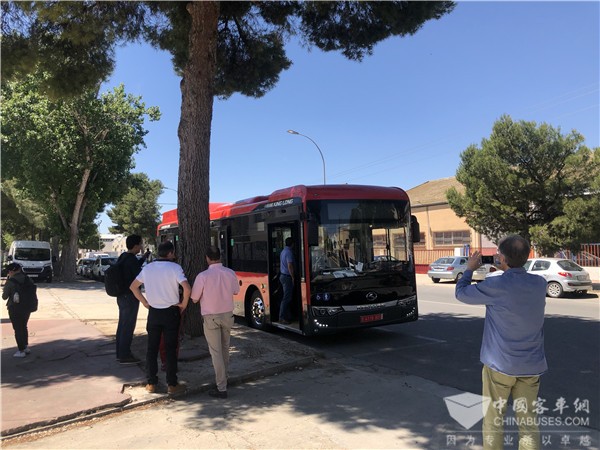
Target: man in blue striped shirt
(512, 350)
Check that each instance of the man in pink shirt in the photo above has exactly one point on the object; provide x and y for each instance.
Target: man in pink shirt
(214, 289)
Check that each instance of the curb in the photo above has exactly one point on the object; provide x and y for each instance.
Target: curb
(128, 405)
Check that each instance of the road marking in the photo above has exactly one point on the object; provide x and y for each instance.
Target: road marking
(452, 304)
(439, 341)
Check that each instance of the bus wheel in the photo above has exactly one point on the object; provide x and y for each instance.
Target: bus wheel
(256, 313)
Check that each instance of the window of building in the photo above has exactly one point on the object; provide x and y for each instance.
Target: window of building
(441, 238)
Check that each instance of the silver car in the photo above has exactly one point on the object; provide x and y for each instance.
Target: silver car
(447, 268)
(562, 275)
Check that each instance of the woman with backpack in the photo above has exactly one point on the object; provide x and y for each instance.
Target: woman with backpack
(18, 290)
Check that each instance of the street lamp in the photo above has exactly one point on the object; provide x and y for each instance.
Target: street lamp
(320, 152)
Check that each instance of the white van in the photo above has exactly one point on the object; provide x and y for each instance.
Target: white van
(35, 257)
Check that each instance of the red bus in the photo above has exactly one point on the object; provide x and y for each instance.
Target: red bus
(353, 247)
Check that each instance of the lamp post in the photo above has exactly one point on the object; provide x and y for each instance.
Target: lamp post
(320, 152)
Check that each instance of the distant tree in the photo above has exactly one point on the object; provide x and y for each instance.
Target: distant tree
(75, 155)
(138, 212)
(218, 48)
(525, 179)
(22, 217)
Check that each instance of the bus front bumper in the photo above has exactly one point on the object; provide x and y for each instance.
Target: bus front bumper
(328, 320)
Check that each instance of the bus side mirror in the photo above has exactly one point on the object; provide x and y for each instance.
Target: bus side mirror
(313, 233)
(415, 229)
(9, 258)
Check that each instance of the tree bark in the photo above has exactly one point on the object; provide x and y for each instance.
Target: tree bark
(197, 92)
(69, 251)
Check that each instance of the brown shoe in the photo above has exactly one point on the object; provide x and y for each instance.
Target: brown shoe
(151, 388)
(177, 389)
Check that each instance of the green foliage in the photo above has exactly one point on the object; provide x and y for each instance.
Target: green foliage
(138, 211)
(531, 180)
(580, 221)
(73, 41)
(353, 28)
(72, 156)
(22, 217)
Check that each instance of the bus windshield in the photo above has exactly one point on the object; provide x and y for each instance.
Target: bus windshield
(357, 237)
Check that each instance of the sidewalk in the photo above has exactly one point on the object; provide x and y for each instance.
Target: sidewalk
(72, 372)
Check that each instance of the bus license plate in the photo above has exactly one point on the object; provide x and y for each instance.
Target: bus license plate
(371, 318)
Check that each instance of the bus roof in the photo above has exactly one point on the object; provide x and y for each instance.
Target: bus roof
(319, 192)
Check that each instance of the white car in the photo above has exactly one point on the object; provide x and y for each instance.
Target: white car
(100, 265)
(82, 264)
(562, 275)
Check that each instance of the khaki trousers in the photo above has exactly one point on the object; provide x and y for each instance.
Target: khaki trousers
(217, 330)
(524, 390)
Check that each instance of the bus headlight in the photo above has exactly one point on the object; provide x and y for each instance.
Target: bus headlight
(320, 311)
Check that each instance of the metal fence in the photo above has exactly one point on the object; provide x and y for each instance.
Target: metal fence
(588, 256)
(423, 256)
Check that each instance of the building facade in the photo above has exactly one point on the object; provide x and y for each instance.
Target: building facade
(443, 233)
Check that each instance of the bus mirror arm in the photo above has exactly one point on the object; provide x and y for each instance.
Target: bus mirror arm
(313, 232)
(415, 229)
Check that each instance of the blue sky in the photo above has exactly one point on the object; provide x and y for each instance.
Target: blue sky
(401, 117)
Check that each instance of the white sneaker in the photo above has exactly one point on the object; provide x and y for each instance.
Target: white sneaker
(19, 354)
(27, 350)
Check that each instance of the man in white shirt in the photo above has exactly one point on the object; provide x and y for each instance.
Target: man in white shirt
(161, 280)
(214, 289)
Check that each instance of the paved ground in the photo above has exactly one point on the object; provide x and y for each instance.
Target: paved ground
(72, 370)
(72, 374)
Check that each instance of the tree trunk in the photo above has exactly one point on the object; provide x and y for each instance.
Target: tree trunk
(197, 92)
(69, 252)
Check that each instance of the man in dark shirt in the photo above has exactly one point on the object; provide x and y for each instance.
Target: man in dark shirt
(128, 304)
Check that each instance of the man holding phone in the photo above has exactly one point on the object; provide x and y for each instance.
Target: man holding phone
(512, 350)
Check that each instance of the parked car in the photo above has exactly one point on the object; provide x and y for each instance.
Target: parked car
(453, 268)
(447, 268)
(82, 264)
(562, 275)
(100, 265)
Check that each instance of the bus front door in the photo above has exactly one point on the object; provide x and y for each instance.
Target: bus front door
(278, 233)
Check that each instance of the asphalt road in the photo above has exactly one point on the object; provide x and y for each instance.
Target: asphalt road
(443, 346)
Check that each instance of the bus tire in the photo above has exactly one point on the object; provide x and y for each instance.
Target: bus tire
(255, 311)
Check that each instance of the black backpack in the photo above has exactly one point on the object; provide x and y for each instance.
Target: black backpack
(28, 300)
(114, 279)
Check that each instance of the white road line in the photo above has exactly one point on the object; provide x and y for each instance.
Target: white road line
(453, 304)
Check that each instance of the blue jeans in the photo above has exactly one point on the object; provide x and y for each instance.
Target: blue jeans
(128, 312)
(288, 293)
(162, 322)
